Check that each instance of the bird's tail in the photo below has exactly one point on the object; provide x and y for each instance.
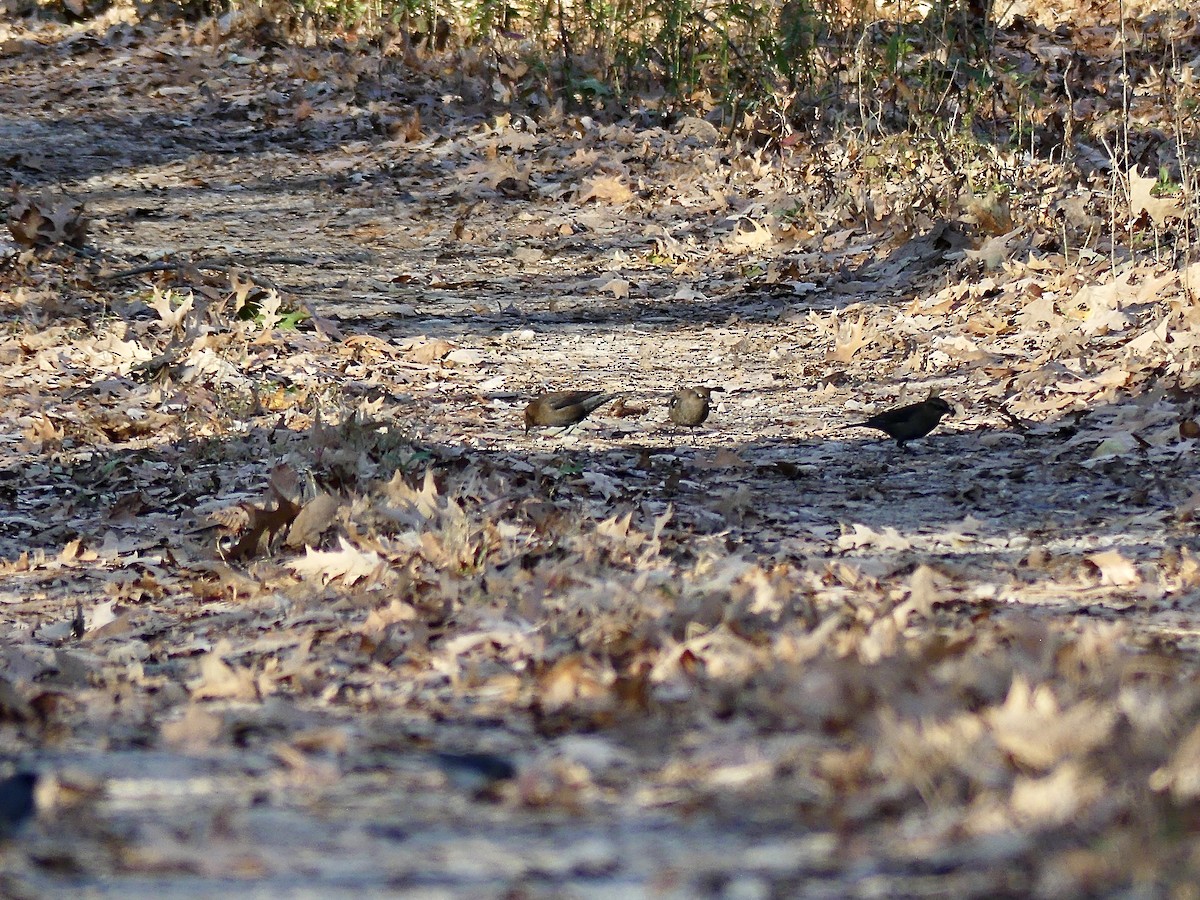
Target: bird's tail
(597, 402)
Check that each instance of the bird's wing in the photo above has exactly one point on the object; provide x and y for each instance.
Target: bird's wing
(570, 398)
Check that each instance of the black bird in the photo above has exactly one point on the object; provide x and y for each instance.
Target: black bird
(907, 423)
(689, 406)
(477, 773)
(563, 408)
(17, 804)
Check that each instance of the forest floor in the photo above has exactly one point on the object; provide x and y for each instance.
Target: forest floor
(276, 551)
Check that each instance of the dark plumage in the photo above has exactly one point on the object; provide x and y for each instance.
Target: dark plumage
(908, 423)
(689, 406)
(478, 773)
(563, 408)
(17, 804)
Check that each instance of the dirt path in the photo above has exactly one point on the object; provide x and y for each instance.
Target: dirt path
(768, 657)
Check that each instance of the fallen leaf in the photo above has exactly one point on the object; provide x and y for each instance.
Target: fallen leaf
(1114, 568)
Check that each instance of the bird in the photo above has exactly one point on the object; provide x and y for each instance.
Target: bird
(907, 423)
(17, 803)
(563, 408)
(477, 773)
(689, 406)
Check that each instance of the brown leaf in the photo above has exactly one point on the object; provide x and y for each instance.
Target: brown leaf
(1032, 728)
(347, 564)
(1114, 568)
(312, 521)
(196, 730)
(43, 221)
(219, 680)
(271, 519)
(1141, 198)
(430, 351)
(1181, 775)
(570, 680)
(604, 188)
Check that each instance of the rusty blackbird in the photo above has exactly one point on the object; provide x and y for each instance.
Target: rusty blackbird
(907, 423)
(563, 408)
(689, 406)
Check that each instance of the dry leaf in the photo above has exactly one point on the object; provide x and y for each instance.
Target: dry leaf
(196, 730)
(1141, 198)
(348, 565)
(429, 351)
(1114, 568)
(851, 337)
(313, 519)
(863, 536)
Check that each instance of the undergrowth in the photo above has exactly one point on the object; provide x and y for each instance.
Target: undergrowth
(975, 93)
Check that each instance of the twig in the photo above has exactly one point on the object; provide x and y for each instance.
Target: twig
(213, 265)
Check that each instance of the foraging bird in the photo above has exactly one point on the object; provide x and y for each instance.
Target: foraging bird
(689, 406)
(476, 773)
(17, 804)
(563, 408)
(908, 423)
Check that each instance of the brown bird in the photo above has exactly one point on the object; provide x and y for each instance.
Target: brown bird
(563, 408)
(689, 406)
(907, 423)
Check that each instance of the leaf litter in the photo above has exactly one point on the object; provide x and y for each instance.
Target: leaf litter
(289, 593)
